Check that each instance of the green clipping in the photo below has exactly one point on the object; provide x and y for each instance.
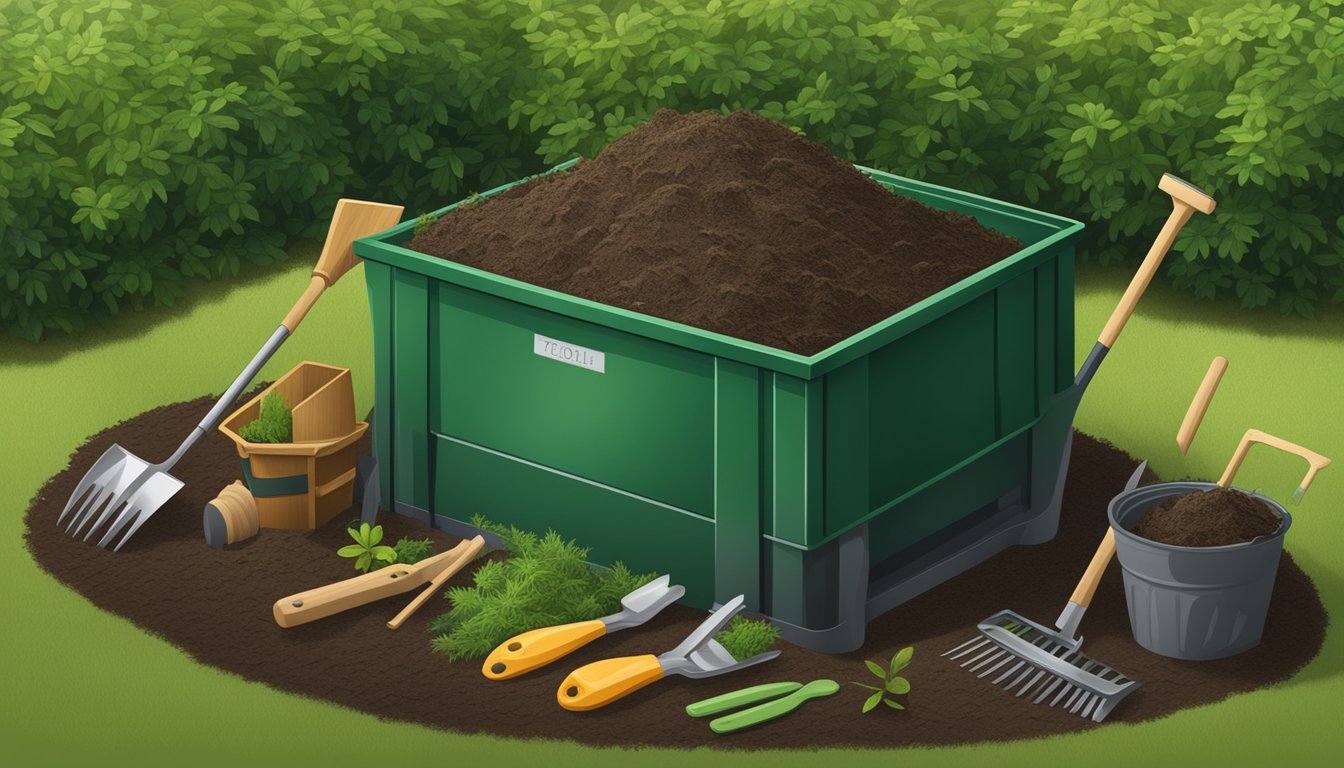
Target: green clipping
(740, 698)
(772, 709)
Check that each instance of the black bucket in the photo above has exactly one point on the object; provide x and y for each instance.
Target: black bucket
(1194, 603)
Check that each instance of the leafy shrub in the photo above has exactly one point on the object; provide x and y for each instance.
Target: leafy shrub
(545, 581)
(275, 424)
(745, 638)
(368, 553)
(143, 145)
(410, 550)
(892, 684)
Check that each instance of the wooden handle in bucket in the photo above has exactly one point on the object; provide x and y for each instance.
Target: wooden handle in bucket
(1316, 460)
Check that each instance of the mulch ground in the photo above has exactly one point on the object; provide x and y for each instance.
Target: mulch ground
(216, 605)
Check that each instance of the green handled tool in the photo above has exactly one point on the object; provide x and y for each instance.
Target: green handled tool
(776, 705)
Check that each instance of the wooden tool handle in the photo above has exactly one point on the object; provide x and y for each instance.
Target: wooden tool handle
(533, 650)
(351, 220)
(1200, 405)
(1185, 200)
(1316, 461)
(602, 682)
(473, 548)
(321, 602)
(1087, 586)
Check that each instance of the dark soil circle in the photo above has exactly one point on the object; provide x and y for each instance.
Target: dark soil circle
(352, 659)
(1213, 518)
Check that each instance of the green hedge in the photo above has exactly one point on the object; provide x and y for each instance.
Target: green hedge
(145, 144)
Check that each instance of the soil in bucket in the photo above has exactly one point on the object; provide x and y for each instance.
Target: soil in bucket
(353, 660)
(1212, 518)
(729, 223)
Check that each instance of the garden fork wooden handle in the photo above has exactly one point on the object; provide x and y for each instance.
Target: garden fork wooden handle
(1316, 461)
(352, 220)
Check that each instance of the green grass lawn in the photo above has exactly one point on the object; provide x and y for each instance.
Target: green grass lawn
(86, 688)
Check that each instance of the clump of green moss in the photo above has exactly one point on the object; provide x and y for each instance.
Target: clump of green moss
(413, 550)
(422, 224)
(545, 581)
(745, 637)
(274, 425)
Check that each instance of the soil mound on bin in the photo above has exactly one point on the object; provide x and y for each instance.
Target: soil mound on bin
(730, 223)
(1212, 518)
(352, 658)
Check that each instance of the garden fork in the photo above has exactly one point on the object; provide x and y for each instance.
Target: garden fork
(127, 490)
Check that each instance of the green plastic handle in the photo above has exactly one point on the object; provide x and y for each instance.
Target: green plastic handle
(772, 709)
(740, 698)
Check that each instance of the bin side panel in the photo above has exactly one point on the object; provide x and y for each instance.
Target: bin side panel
(1064, 322)
(1047, 334)
(647, 537)
(933, 402)
(847, 445)
(378, 281)
(643, 424)
(796, 455)
(410, 358)
(737, 482)
(1017, 364)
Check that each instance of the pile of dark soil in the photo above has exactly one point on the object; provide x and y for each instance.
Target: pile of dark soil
(1212, 518)
(354, 660)
(730, 223)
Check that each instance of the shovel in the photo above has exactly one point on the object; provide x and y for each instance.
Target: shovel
(123, 488)
(699, 655)
(532, 650)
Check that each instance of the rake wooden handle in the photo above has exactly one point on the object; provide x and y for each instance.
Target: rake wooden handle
(473, 548)
(1087, 586)
(1194, 416)
(1316, 461)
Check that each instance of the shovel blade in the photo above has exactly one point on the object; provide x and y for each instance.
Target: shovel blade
(115, 472)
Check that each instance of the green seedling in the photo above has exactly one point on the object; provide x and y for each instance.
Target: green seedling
(274, 425)
(366, 550)
(422, 223)
(745, 637)
(413, 550)
(892, 684)
(546, 580)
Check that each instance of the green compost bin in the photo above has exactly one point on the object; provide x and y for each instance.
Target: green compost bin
(827, 489)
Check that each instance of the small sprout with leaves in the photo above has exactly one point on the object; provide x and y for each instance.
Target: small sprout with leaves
(892, 684)
(369, 554)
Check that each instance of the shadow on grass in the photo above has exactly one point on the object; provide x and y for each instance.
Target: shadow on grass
(129, 324)
(1164, 302)
(1329, 663)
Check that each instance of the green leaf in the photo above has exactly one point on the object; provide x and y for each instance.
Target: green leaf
(902, 659)
(351, 550)
(898, 685)
(892, 704)
(876, 669)
(868, 687)
(872, 702)
(375, 535)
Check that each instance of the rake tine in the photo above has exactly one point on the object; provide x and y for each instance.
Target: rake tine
(1008, 659)
(979, 656)
(981, 642)
(1095, 706)
(1072, 697)
(1085, 702)
(80, 493)
(140, 520)
(987, 661)
(1058, 681)
(1020, 663)
(96, 502)
(1023, 690)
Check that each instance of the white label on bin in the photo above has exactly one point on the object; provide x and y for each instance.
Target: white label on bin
(569, 353)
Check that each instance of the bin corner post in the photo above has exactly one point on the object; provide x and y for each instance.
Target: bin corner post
(411, 440)
(737, 485)
(378, 282)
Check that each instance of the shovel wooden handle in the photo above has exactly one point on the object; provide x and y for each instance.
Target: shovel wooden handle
(1194, 416)
(602, 682)
(472, 549)
(1316, 461)
(532, 650)
(351, 220)
(1185, 200)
